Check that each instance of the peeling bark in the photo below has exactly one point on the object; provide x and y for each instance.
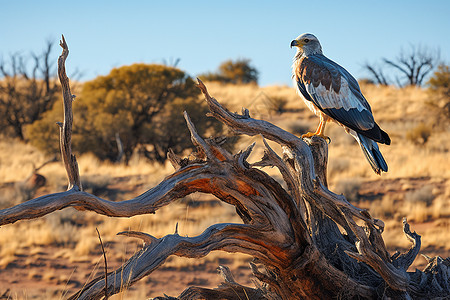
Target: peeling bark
(293, 233)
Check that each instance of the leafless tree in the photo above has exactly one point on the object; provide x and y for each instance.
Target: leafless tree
(307, 242)
(412, 66)
(377, 73)
(26, 90)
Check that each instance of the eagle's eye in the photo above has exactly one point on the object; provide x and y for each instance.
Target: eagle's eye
(306, 40)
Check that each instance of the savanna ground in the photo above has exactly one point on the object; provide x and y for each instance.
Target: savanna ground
(54, 256)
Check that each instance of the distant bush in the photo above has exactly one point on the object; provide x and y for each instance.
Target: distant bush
(420, 134)
(139, 106)
(239, 71)
(439, 85)
(440, 81)
(211, 76)
(44, 133)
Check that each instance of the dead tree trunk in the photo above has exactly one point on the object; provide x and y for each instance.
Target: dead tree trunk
(305, 240)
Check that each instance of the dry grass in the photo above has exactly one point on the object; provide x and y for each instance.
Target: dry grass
(398, 111)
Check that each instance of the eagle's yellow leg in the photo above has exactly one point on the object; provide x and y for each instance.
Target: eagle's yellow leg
(320, 129)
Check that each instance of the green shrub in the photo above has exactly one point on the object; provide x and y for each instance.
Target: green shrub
(141, 104)
(440, 81)
(236, 72)
(439, 85)
(44, 133)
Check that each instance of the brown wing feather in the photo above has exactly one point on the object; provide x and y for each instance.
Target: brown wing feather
(318, 74)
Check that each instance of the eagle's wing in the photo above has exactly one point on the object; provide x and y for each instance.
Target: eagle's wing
(337, 94)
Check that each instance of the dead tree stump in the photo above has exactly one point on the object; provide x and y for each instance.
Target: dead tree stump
(307, 242)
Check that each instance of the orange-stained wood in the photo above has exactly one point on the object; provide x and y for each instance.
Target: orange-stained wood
(203, 185)
(246, 189)
(217, 154)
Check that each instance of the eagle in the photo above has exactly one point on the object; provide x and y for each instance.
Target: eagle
(333, 94)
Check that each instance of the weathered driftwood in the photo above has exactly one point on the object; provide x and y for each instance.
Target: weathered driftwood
(305, 239)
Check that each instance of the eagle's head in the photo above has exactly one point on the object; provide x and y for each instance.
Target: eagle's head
(307, 44)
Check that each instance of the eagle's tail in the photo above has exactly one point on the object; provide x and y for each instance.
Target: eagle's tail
(372, 153)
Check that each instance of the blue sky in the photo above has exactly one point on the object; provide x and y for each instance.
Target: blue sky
(202, 34)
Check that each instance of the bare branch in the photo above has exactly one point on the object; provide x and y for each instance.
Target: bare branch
(246, 125)
(415, 65)
(69, 160)
(229, 237)
(197, 140)
(145, 237)
(377, 73)
(171, 188)
(406, 71)
(405, 260)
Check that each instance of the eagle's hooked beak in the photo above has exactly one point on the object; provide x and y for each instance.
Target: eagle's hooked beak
(294, 43)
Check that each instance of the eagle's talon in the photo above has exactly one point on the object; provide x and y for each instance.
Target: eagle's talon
(308, 135)
(311, 134)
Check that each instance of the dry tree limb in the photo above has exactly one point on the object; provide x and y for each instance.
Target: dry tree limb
(231, 237)
(69, 160)
(405, 260)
